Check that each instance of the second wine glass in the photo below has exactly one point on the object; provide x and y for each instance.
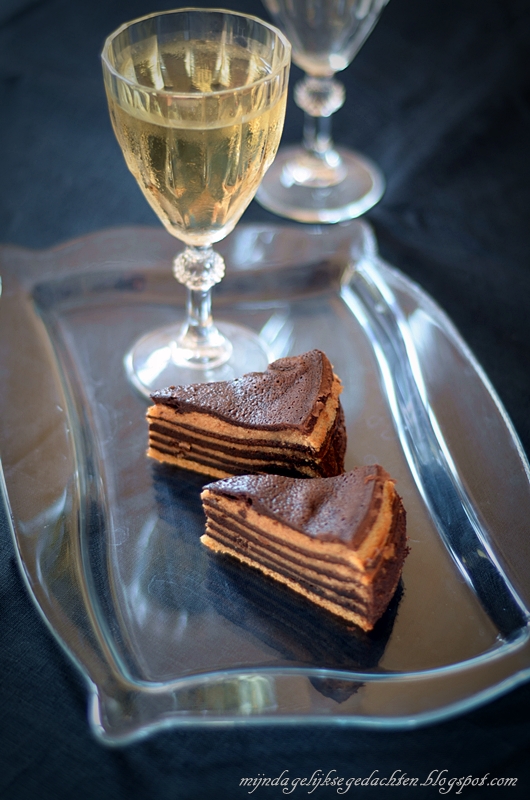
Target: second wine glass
(317, 181)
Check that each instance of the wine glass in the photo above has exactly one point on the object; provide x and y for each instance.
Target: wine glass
(197, 102)
(316, 181)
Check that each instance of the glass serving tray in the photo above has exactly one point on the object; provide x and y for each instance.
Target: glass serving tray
(165, 632)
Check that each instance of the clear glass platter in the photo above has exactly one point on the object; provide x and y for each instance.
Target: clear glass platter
(166, 633)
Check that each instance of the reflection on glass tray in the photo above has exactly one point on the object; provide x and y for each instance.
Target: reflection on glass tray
(165, 632)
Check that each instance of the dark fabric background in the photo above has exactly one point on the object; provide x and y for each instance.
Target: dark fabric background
(439, 97)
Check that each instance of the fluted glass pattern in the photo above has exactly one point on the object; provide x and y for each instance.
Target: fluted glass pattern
(198, 125)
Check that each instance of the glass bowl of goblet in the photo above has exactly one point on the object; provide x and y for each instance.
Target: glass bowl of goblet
(197, 102)
(317, 181)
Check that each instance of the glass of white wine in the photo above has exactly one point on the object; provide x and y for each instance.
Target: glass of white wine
(197, 102)
(316, 181)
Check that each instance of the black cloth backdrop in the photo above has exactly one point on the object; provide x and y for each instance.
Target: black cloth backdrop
(439, 97)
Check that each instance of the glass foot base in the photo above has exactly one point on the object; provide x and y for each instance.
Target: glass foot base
(361, 187)
(154, 362)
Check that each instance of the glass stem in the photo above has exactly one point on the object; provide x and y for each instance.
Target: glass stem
(200, 344)
(317, 135)
(319, 98)
(199, 322)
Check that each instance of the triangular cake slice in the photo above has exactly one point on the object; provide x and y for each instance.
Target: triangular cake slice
(339, 541)
(287, 420)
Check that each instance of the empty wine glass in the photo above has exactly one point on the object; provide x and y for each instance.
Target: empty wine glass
(318, 182)
(197, 102)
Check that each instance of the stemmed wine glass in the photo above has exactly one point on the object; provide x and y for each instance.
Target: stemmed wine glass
(197, 102)
(318, 182)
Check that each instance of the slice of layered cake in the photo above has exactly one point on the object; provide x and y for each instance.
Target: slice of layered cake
(339, 541)
(287, 420)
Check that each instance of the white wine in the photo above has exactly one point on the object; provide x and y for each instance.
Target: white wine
(197, 147)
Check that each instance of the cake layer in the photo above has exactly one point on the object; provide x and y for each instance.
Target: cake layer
(244, 536)
(209, 463)
(234, 431)
(278, 536)
(338, 541)
(169, 440)
(342, 592)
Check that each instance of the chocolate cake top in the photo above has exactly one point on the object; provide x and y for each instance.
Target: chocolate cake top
(289, 394)
(342, 508)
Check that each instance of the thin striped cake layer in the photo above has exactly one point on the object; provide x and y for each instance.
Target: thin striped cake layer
(222, 457)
